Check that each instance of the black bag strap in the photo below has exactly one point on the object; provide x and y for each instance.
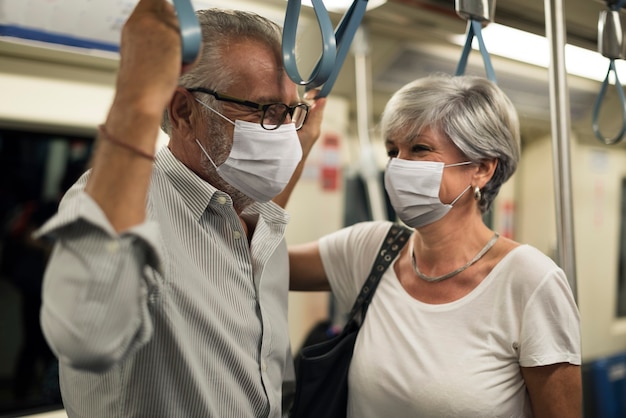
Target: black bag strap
(392, 244)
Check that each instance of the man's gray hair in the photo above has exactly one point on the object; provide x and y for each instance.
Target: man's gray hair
(219, 28)
(471, 111)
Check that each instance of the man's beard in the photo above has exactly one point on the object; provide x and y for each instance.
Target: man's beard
(219, 149)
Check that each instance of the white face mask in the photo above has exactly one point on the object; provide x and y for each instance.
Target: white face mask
(413, 188)
(261, 162)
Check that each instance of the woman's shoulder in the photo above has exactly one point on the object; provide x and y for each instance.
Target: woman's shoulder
(361, 232)
(526, 256)
(371, 229)
(355, 243)
(526, 268)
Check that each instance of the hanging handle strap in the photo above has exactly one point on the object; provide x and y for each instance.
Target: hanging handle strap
(344, 35)
(474, 28)
(329, 47)
(598, 105)
(335, 44)
(610, 44)
(190, 32)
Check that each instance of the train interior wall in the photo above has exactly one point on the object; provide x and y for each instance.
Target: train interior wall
(60, 96)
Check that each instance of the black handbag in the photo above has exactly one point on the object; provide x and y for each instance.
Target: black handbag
(322, 370)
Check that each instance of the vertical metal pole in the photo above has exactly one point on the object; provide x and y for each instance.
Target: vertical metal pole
(368, 167)
(560, 120)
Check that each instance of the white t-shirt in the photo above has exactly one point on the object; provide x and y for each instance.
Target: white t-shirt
(458, 359)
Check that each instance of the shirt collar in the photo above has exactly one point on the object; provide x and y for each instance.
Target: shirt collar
(198, 194)
(195, 192)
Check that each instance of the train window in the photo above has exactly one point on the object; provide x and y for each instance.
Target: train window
(35, 170)
(621, 279)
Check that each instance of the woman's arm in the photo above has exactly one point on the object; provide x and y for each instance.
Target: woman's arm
(555, 390)
(306, 270)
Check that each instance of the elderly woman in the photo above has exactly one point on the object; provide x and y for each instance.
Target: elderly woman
(464, 323)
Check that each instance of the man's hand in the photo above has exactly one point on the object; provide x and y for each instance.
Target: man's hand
(311, 130)
(151, 57)
(308, 134)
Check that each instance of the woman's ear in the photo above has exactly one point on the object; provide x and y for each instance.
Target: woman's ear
(181, 110)
(485, 171)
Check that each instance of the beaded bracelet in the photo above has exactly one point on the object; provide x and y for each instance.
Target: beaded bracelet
(105, 135)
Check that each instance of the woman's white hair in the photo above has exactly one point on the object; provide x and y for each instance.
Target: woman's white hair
(471, 111)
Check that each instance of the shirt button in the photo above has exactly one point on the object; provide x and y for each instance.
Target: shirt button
(221, 200)
(263, 365)
(113, 246)
(237, 235)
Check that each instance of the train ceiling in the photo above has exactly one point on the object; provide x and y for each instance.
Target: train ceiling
(411, 38)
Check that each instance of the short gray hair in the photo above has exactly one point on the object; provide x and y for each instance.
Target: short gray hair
(219, 28)
(470, 111)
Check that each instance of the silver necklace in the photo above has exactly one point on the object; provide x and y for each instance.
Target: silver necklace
(433, 279)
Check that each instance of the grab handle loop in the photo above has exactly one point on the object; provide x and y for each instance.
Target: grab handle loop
(474, 28)
(598, 104)
(336, 44)
(190, 32)
(324, 66)
(611, 45)
(345, 35)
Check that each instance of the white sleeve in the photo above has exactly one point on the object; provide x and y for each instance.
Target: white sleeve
(348, 255)
(550, 330)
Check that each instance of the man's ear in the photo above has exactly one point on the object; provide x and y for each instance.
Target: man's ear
(181, 109)
(485, 172)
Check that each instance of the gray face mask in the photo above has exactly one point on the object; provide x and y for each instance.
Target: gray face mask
(413, 188)
(261, 162)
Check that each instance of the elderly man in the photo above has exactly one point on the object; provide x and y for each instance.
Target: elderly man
(166, 294)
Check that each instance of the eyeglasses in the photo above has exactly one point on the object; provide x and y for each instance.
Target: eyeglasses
(274, 114)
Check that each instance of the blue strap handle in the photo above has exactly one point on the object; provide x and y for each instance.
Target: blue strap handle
(601, 95)
(324, 66)
(336, 45)
(345, 35)
(190, 32)
(598, 104)
(474, 28)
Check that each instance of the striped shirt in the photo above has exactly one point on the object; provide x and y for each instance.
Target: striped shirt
(177, 317)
